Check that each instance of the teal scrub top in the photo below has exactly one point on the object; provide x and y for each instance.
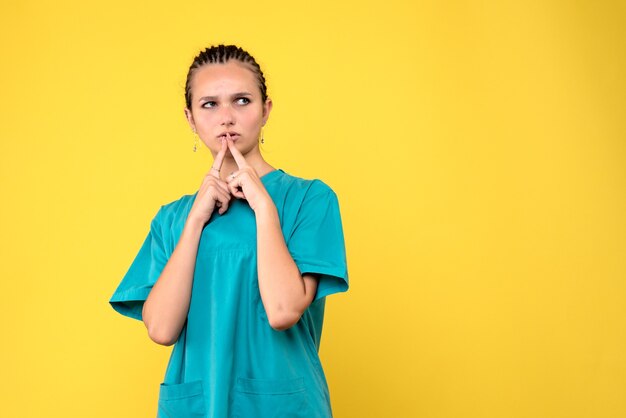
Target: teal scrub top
(228, 361)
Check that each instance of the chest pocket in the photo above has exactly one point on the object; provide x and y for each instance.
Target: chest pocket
(183, 400)
(270, 398)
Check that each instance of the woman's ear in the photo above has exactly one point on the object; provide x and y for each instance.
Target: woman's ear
(267, 108)
(189, 117)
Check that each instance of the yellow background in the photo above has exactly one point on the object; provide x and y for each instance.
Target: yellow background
(477, 148)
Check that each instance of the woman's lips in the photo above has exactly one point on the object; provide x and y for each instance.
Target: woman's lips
(233, 136)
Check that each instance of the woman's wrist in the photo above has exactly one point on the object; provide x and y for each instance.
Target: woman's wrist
(194, 224)
(265, 208)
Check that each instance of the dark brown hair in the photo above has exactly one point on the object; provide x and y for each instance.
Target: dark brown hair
(222, 54)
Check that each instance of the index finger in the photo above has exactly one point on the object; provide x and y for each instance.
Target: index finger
(219, 159)
(238, 156)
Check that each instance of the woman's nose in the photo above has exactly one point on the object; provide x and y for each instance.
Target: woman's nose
(227, 115)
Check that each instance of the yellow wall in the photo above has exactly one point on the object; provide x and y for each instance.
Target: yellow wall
(478, 150)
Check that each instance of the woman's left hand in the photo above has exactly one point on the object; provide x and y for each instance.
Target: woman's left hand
(245, 182)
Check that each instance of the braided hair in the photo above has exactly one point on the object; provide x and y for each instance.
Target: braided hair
(222, 54)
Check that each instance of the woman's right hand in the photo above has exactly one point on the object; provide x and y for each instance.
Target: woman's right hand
(213, 191)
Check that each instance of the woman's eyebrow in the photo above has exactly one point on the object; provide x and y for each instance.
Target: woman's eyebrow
(243, 93)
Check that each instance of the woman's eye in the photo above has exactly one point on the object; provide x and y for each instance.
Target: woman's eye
(246, 100)
(211, 104)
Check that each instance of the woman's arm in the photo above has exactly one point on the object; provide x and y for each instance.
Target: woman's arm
(165, 310)
(285, 293)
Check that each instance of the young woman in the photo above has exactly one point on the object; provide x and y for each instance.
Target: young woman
(236, 274)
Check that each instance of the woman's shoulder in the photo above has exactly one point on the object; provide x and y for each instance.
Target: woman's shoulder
(173, 209)
(306, 186)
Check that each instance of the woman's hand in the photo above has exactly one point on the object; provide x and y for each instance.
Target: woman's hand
(213, 192)
(245, 182)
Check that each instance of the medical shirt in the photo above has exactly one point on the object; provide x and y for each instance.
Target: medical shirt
(228, 361)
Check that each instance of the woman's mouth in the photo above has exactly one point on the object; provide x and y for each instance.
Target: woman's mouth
(233, 135)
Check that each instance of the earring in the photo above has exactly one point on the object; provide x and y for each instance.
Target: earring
(195, 143)
(262, 138)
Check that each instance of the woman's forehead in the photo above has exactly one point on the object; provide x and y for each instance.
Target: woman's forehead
(215, 78)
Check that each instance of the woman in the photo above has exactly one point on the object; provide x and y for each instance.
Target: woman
(236, 274)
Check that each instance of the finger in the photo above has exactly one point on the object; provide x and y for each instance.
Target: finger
(232, 176)
(224, 203)
(216, 182)
(211, 181)
(234, 186)
(238, 194)
(223, 186)
(220, 195)
(239, 158)
(219, 159)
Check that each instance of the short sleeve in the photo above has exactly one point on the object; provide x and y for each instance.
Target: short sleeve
(144, 271)
(317, 242)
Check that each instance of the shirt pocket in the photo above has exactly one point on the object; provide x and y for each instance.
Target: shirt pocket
(181, 400)
(269, 398)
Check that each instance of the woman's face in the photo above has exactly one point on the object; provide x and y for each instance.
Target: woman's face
(226, 98)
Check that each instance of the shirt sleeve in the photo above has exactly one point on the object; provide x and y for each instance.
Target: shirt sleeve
(317, 242)
(144, 271)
